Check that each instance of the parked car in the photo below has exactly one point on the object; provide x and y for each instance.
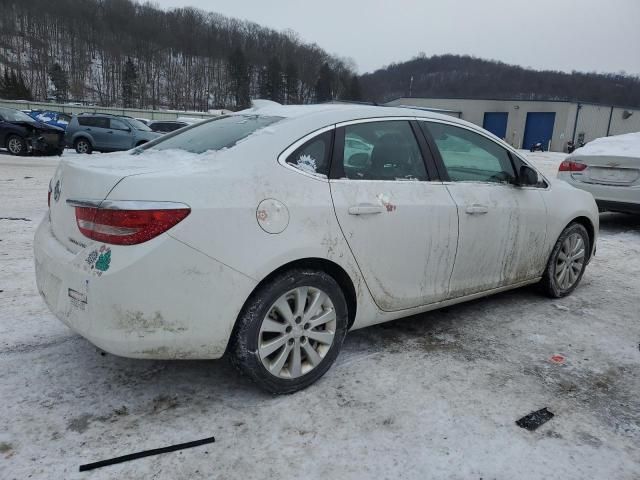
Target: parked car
(106, 133)
(609, 169)
(246, 234)
(21, 134)
(50, 117)
(166, 126)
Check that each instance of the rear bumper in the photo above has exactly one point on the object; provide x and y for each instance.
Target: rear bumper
(161, 299)
(606, 205)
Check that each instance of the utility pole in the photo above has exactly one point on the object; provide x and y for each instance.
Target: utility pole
(410, 85)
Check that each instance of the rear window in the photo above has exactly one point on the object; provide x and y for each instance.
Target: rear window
(216, 134)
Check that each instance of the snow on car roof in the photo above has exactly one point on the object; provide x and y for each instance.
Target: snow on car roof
(340, 112)
(627, 145)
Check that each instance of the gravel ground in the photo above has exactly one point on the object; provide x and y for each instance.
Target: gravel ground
(431, 396)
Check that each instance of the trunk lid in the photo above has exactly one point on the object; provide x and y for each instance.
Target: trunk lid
(92, 177)
(609, 170)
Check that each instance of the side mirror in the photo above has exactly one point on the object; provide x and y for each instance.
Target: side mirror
(527, 176)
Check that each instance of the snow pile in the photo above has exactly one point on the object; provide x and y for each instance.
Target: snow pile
(627, 145)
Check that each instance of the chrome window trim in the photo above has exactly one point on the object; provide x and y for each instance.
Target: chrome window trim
(125, 204)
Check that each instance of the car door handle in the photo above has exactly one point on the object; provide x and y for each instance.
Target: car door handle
(365, 209)
(477, 209)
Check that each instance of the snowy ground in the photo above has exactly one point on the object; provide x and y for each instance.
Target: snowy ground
(432, 396)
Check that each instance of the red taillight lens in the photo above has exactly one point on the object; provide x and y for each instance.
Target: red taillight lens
(127, 227)
(571, 166)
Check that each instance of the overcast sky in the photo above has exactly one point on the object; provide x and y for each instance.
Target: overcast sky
(586, 35)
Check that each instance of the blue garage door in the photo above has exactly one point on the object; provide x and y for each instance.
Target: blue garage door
(539, 128)
(496, 123)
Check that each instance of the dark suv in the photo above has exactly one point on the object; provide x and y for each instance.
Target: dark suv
(106, 133)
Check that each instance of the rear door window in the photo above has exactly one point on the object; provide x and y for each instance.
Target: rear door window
(386, 150)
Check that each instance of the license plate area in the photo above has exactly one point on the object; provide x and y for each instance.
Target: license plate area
(614, 176)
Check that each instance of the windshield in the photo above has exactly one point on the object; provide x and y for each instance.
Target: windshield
(11, 115)
(138, 125)
(216, 134)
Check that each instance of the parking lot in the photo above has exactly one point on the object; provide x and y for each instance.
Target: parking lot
(431, 396)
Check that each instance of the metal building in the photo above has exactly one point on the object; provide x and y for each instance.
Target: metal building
(525, 122)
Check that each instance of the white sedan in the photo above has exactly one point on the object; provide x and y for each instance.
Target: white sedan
(608, 168)
(256, 235)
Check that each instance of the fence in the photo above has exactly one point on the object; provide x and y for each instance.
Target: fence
(129, 112)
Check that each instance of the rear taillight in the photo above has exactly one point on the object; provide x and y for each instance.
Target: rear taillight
(571, 166)
(127, 227)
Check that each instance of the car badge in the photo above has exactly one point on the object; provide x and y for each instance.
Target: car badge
(56, 191)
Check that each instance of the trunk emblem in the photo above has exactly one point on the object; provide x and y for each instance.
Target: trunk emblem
(56, 191)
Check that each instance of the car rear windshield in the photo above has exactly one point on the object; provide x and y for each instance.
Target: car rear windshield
(216, 134)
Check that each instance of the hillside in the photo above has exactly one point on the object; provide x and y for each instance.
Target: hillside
(124, 53)
(468, 77)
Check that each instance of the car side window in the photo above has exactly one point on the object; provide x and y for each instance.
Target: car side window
(86, 121)
(314, 155)
(118, 124)
(386, 150)
(471, 157)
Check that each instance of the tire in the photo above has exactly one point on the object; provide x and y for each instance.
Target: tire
(16, 145)
(553, 283)
(255, 334)
(82, 145)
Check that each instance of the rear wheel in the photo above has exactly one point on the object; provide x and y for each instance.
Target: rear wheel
(567, 262)
(16, 145)
(82, 145)
(290, 331)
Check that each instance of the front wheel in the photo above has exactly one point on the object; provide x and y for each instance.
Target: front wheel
(567, 262)
(290, 331)
(16, 145)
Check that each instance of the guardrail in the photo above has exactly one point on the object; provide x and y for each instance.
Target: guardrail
(129, 112)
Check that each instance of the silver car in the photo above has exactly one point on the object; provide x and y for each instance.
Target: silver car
(609, 169)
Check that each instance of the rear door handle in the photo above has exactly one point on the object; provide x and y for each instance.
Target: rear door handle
(477, 209)
(366, 209)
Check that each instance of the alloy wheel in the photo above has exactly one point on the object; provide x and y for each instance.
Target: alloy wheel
(15, 145)
(82, 146)
(570, 261)
(297, 332)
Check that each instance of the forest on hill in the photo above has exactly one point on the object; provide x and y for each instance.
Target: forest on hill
(123, 53)
(456, 76)
(126, 53)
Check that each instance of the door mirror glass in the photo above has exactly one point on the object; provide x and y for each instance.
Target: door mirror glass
(527, 177)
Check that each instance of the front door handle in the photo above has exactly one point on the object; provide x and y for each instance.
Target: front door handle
(366, 209)
(477, 209)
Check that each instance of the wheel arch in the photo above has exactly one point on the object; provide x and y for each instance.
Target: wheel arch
(321, 264)
(591, 230)
(82, 136)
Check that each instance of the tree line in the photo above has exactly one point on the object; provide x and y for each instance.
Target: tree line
(131, 54)
(468, 77)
